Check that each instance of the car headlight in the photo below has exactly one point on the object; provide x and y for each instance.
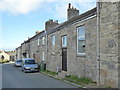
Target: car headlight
(36, 66)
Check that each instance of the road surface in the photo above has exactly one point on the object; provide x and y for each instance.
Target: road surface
(13, 77)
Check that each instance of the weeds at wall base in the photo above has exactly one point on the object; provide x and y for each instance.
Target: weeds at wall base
(50, 72)
(81, 81)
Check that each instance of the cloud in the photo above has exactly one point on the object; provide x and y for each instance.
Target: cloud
(11, 46)
(61, 8)
(70, 1)
(1, 30)
(18, 6)
(85, 6)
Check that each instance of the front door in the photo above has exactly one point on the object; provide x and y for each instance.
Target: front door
(64, 59)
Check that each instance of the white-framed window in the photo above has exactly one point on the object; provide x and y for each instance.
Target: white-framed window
(43, 56)
(43, 40)
(53, 39)
(64, 41)
(81, 40)
(38, 41)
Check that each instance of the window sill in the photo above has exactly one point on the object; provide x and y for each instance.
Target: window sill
(64, 47)
(81, 54)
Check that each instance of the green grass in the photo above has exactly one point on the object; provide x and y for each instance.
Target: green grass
(50, 72)
(77, 80)
(4, 61)
(108, 87)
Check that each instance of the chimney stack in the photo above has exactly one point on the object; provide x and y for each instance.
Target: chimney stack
(51, 24)
(71, 12)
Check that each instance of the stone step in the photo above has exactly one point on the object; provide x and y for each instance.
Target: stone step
(62, 74)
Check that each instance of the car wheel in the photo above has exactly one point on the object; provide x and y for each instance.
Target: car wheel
(24, 70)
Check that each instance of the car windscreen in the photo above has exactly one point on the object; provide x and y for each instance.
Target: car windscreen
(19, 61)
(29, 61)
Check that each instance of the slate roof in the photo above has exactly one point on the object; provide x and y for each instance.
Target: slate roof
(73, 20)
(64, 24)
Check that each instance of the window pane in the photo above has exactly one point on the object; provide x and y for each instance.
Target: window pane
(43, 40)
(81, 39)
(81, 31)
(53, 39)
(64, 41)
(81, 44)
(43, 56)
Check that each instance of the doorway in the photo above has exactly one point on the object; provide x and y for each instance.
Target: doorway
(64, 59)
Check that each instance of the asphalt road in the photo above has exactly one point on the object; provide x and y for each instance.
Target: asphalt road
(13, 77)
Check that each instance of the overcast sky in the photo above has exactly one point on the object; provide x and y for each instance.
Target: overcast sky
(19, 19)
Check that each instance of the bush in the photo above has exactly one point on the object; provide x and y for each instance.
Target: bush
(4, 61)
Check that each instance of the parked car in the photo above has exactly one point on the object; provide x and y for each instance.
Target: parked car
(18, 63)
(29, 65)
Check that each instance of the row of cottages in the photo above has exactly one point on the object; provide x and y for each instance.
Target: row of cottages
(7, 55)
(84, 45)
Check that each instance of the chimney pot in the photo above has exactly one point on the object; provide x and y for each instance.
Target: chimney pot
(69, 6)
(51, 20)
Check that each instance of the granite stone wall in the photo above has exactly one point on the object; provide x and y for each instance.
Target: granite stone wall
(108, 43)
(80, 65)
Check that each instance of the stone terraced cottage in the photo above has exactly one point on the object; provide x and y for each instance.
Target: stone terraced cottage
(84, 45)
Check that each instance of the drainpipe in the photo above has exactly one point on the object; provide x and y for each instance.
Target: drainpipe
(29, 50)
(98, 42)
(46, 48)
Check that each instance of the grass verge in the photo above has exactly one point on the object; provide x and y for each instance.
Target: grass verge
(81, 81)
(50, 72)
(76, 81)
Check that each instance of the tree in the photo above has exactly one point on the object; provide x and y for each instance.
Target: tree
(2, 57)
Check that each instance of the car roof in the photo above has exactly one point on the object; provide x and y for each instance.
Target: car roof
(28, 59)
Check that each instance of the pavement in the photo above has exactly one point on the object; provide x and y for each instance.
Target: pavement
(59, 78)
